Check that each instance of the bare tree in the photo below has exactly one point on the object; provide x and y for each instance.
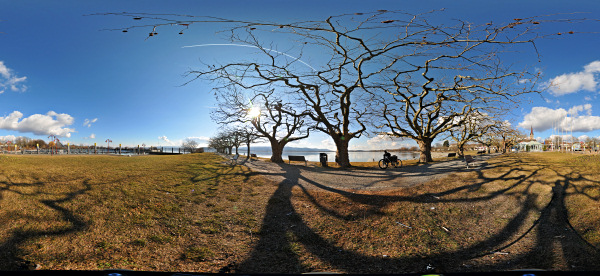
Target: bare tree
(452, 73)
(426, 74)
(249, 136)
(222, 142)
(489, 138)
(474, 127)
(265, 111)
(190, 145)
(508, 136)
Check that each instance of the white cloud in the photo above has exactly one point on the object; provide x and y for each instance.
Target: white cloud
(8, 138)
(92, 136)
(583, 137)
(88, 122)
(593, 67)
(327, 144)
(199, 138)
(303, 143)
(203, 140)
(566, 137)
(50, 124)
(574, 82)
(166, 140)
(574, 111)
(543, 118)
(384, 142)
(10, 81)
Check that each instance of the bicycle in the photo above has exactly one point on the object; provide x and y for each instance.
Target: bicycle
(393, 160)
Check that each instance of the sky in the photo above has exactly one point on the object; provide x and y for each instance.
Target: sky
(63, 73)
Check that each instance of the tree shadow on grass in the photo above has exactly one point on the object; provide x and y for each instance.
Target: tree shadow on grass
(11, 248)
(556, 244)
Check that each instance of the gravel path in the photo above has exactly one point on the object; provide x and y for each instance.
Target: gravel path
(373, 179)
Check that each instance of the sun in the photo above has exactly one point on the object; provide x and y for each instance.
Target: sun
(254, 112)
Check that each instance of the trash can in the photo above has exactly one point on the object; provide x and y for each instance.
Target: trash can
(323, 159)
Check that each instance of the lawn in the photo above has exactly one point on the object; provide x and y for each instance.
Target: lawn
(175, 213)
(197, 213)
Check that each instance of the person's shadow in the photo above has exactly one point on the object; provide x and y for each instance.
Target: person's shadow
(284, 231)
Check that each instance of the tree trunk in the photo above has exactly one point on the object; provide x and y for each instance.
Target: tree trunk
(277, 151)
(425, 148)
(248, 144)
(460, 149)
(236, 150)
(341, 154)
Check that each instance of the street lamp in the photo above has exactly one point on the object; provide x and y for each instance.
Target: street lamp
(108, 145)
(53, 140)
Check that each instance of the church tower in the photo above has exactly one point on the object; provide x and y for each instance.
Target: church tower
(531, 134)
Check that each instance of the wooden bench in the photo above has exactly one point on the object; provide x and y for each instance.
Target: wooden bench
(452, 154)
(469, 159)
(253, 155)
(481, 152)
(297, 158)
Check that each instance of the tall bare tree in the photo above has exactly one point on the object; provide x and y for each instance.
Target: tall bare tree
(427, 74)
(271, 118)
(452, 73)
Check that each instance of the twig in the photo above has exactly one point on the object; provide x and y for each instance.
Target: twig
(404, 225)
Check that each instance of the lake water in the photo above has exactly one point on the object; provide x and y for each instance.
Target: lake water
(355, 156)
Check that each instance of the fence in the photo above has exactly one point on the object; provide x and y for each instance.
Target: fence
(104, 150)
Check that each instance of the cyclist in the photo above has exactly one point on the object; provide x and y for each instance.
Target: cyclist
(386, 155)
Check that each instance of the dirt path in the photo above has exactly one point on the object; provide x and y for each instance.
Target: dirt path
(373, 179)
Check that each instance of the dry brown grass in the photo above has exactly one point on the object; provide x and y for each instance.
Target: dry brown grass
(195, 213)
(143, 213)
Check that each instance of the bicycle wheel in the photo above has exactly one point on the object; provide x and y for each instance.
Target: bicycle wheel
(398, 164)
(382, 164)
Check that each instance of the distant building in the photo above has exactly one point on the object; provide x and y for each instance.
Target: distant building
(530, 144)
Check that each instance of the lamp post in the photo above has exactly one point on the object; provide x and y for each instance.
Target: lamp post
(108, 145)
(53, 140)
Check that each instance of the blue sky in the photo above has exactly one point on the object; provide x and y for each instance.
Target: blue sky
(61, 74)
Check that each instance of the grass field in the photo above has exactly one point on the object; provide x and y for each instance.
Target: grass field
(197, 213)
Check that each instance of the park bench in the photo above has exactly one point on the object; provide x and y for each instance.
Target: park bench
(253, 155)
(234, 159)
(297, 158)
(481, 152)
(469, 159)
(452, 154)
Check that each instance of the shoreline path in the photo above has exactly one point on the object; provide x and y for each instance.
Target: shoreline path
(369, 179)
